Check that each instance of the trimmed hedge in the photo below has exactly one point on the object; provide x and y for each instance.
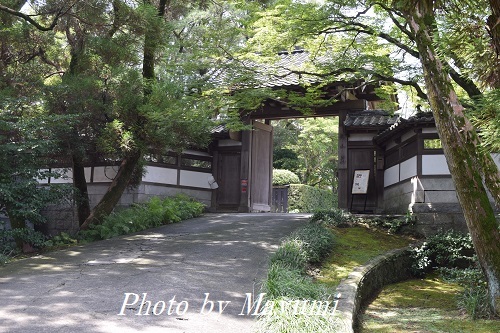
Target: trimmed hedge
(284, 177)
(308, 199)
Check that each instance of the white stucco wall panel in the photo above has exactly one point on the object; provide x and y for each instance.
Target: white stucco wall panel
(408, 168)
(67, 176)
(195, 179)
(391, 175)
(105, 174)
(434, 165)
(160, 175)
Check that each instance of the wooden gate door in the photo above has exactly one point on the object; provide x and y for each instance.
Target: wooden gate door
(362, 159)
(228, 193)
(261, 167)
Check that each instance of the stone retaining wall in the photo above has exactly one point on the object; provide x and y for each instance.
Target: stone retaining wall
(365, 281)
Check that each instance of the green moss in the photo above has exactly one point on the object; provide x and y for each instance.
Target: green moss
(421, 305)
(355, 246)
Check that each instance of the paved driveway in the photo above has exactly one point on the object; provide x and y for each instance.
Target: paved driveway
(187, 277)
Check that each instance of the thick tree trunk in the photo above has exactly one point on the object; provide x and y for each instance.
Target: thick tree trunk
(494, 25)
(115, 190)
(460, 145)
(82, 194)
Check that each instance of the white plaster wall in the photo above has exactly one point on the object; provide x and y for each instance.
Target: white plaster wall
(496, 158)
(195, 179)
(88, 172)
(67, 176)
(105, 173)
(160, 175)
(408, 168)
(42, 181)
(434, 165)
(391, 175)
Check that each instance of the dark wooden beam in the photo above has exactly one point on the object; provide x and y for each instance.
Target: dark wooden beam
(275, 110)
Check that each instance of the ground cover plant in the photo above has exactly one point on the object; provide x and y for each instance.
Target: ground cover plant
(287, 278)
(287, 283)
(421, 305)
(154, 213)
(355, 246)
(450, 296)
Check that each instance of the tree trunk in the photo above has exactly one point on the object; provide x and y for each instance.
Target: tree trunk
(82, 194)
(493, 22)
(15, 223)
(115, 190)
(460, 146)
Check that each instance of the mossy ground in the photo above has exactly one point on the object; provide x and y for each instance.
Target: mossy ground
(422, 305)
(353, 247)
(418, 306)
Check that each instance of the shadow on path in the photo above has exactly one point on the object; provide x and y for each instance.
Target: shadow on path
(174, 267)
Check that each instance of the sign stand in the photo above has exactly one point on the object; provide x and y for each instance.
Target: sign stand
(360, 185)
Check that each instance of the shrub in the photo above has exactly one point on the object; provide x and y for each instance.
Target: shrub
(474, 297)
(317, 241)
(139, 217)
(284, 177)
(286, 281)
(293, 319)
(448, 249)
(391, 224)
(335, 217)
(308, 199)
(290, 255)
(282, 281)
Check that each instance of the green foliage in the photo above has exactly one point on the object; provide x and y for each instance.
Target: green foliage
(139, 217)
(285, 319)
(392, 224)
(335, 217)
(307, 199)
(445, 249)
(316, 240)
(62, 239)
(308, 147)
(284, 281)
(473, 299)
(287, 281)
(8, 237)
(284, 177)
(291, 255)
(485, 115)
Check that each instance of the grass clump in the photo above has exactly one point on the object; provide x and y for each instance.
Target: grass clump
(473, 298)
(334, 217)
(290, 292)
(154, 213)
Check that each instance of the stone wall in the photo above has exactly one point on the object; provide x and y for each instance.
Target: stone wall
(63, 217)
(364, 282)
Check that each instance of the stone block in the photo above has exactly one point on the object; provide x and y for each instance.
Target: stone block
(441, 197)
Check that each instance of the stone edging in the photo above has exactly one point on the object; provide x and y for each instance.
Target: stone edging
(364, 281)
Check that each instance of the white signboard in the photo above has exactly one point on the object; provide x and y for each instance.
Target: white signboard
(360, 181)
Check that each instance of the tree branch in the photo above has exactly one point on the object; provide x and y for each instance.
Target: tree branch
(28, 18)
